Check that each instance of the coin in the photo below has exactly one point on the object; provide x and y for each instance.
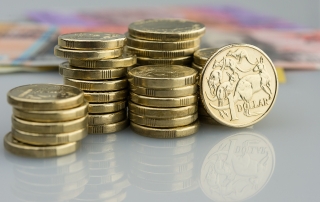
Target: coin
(162, 53)
(166, 29)
(153, 112)
(48, 139)
(201, 56)
(163, 102)
(19, 148)
(125, 60)
(100, 119)
(102, 97)
(165, 132)
(91, 40)
(165, 61)
(160, 76)
(52, 116)
(43, 97)
(243, 90)
(196, 67)
(103, 85)
(165, 92)
(48, 128)
(108, 128)
(90, 74)
(86, 54)
(161, 45)
(101, 108)
(163, 122)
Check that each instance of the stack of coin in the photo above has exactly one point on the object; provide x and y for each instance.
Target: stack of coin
(48, 120)
(163, 101)
(98, 66)
(164, 41)
(200, 58)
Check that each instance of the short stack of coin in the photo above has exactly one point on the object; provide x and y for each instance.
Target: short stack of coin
(48, 120)
(200, 58)
(163, 101)
(98, 66)
(164, 41)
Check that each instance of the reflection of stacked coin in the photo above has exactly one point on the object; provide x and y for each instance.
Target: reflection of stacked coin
(200, 58)
(107, 179)
(48, 120)
(54, 179)
(98, 66)
(164, 166)
(163, 101)
(164, 41)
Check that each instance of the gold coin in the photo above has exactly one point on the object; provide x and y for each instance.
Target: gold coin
(125, 60)
(152, 112)
(19, 148)
(48, 139)
(165, 61)
(108, 128)
(86, 54)
(165, 132)
(101, 108)
(161, 45)
(166, 29)
(208, 120)
(201, 56)
(163, 102)
(101, 119)
(43, 97)
(160, 76)
(196, 67)
(103, 85)
(52, 116)
(163, 122)
(165, 92)
(91, 40)
(102, 97)
(239, 84)
(161, 53)
(91, 74)
(47, 128)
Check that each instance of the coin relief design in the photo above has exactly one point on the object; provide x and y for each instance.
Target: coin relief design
(238, 167)
(239, 85)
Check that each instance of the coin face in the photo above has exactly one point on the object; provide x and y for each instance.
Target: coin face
(237, 168)
(91, 40)
(201, 56)
(239, 85)
(45, 97)
(166, 29)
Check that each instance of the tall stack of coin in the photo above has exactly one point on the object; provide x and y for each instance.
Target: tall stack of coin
(98, 66)
(164, 41)
(163, 101)
(48, 120)
(200, 58)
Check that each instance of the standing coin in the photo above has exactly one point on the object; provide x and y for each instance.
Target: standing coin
(103, 97)
(160, 76)
(53, 116)
(91, 74)
(166, 29)
(165, 92)
(91, 40)
(86, 54)
(243, 90)
(102, 108)
(103, 85)
(201, 56)
(41, 97)
(166, 132)
(19, 148)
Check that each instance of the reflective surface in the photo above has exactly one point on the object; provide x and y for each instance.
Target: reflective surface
(275, 160)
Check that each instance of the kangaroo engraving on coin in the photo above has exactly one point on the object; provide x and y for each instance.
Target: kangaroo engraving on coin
(238, 167)
(239, 85)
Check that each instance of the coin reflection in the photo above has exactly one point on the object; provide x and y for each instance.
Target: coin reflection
(165, 165)
(238, 167)
(107, 180)
(55, 179)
